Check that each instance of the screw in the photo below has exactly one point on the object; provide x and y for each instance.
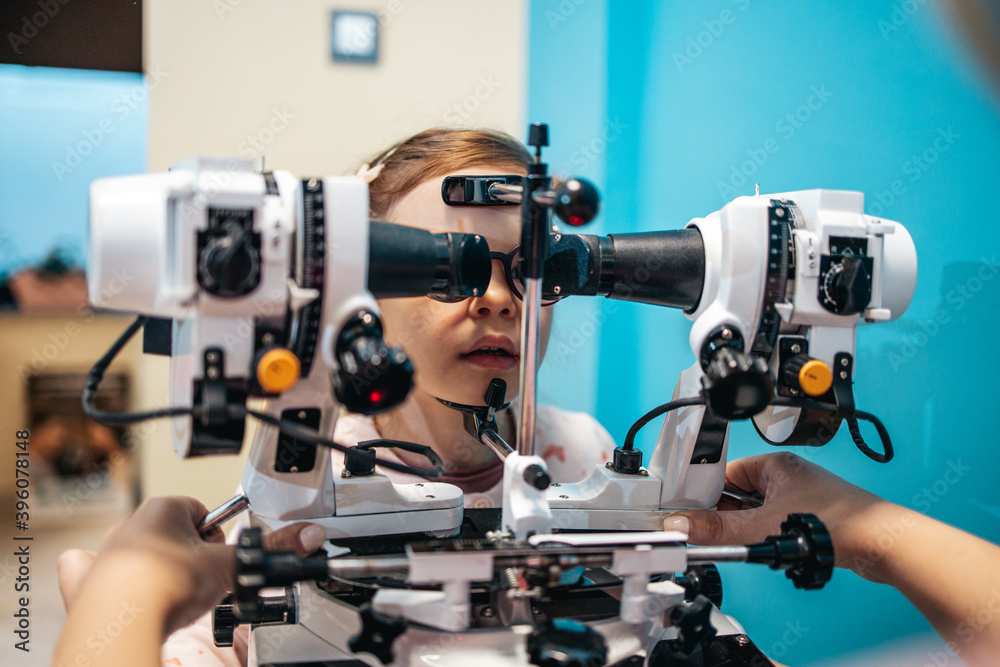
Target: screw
(742, 640)
(294, 469)
(212, 373)
(302, 414)
(536, 611)
(796, 348)
(564, 497)
(367, 318)
(780, 212)
(843, 361)
(609, 464)
(431, 497)
(843, 375)
(557, 289)
(558, 238)
(703, 461)
(643, 472)
(419, 484)
(345, 474)
(487, 612)
(312, 183)
(212, 357)
(727, 333)
(475, 291)
(556, 484)
(267, 339)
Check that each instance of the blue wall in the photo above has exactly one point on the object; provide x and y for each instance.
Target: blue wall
(59, 130)
(898, 111)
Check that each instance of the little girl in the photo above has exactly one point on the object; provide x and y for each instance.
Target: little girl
(456, 348)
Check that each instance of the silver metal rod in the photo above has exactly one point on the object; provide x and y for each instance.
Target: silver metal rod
(544, 197)
(530, 328)
(222, 514)
(702, 555)
(563, 556)
(515, 193)
(496, 443)
(363, 567)
(505, 192)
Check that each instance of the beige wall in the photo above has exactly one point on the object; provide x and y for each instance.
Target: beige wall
(219, 77)
(223, 75)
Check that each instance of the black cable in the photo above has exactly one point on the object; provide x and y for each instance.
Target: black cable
(780, 401)
(883, 434)
(301, 432)
(96, 374)
(412, 447)
(298, 431)
(852, 426)
(656, 412)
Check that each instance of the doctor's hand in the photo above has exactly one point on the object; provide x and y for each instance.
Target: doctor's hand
(789, 484)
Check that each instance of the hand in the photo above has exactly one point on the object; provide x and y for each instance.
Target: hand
(74, 565)
(791, 484)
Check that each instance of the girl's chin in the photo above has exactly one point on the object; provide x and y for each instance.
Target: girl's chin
(475, 395)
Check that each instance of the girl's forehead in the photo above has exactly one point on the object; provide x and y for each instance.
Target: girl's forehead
(424, 207)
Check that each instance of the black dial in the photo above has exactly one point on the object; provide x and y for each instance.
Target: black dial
(228, 267)
(229, 253)
(845, 286)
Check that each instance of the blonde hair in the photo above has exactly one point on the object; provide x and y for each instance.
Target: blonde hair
(437, 152)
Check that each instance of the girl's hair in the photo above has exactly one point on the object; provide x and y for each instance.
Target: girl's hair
(437, 152)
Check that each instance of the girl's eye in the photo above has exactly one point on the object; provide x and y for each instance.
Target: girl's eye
(444, 298)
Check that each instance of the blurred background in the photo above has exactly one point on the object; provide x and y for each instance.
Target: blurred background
(671, 108)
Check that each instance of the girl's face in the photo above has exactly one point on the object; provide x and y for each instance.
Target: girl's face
(457, 348)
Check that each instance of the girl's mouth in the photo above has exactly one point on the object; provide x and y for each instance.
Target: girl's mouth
(493, 358)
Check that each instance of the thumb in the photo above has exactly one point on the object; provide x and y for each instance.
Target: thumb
(302, 538)
(72, 568)
(712, 527)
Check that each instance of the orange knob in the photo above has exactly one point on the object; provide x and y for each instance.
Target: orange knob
(278, 370)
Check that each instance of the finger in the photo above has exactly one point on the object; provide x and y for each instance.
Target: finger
(302, 538)
(747, 473)
(192, 507)
(713, 528)
(215, 536)
(216, 576)
(72, 568)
